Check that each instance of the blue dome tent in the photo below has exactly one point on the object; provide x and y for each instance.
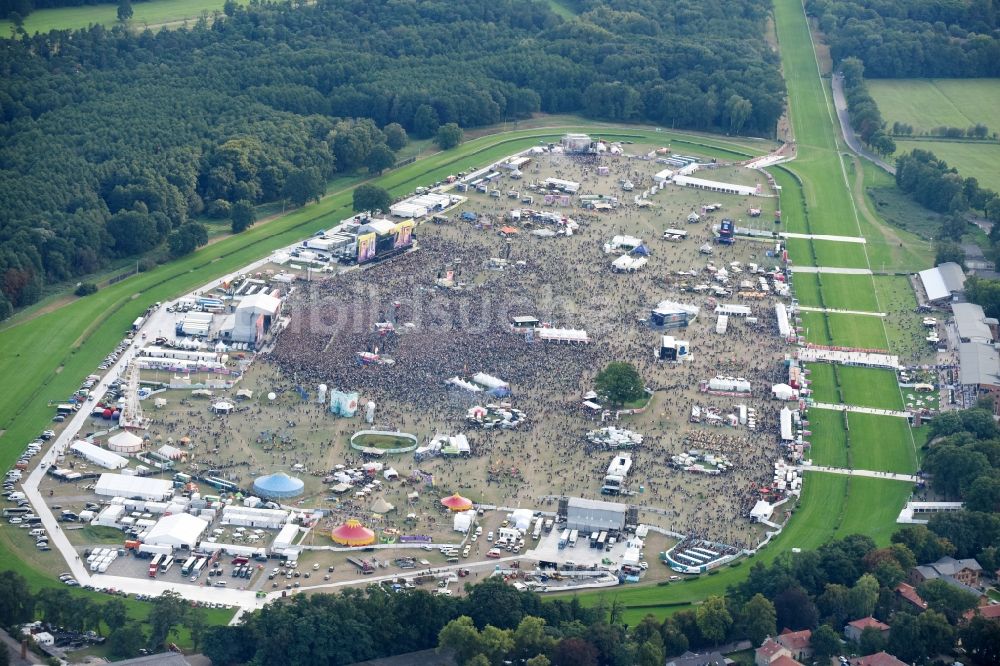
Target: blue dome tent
(278, 486)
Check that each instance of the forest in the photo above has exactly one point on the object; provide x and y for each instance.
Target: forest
(913, 38)
(111, 140)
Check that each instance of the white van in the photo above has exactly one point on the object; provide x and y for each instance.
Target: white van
(38, 531)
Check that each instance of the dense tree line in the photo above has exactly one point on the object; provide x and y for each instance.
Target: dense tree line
(932, 183)
(866, 119)
(114, 140)
(819, 590)
(59, 607)
(913, 38)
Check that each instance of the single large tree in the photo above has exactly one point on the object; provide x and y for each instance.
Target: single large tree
(619, 383)
(714, 619)
(395, 136)
(125, 10)
(303, 185)
(379, 159)
(242, 215)
(758, 619)
(371, 197)
(461, 636)
(448, 136)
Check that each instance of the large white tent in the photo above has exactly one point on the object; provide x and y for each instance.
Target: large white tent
(125, 442)
(247, 517)
(98, 456)
(563, 335)
(121, 485)
(286, 537)
(178, 530)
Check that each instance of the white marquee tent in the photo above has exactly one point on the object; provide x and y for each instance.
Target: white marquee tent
(125, 442)
(178, 530)
(121, 485)
(98, 456)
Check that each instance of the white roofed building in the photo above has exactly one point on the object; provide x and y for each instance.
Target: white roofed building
(943, 282)
(180, 530)
(121, 485)
(98, 456)
(247, 517)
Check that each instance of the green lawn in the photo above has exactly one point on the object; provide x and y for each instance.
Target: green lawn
(881, 443)
(145, 14)
(826, 253)
(828, 440)
(870, 387)
(840, 292)
(807, 289)
(872, 507)
(929, 103)
(800, 251)
(840, 254)
(979, 160)
(823, 382)
(792, 202)
(860, 331)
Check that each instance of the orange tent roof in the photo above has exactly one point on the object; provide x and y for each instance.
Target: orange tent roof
(457, 503)
(508, 230)
(353, 533)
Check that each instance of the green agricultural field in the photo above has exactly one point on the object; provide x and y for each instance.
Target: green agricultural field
(870, 387)
(881, 443)
(828, 440)
(979, 160)
(151, 14)
(845, 292)
(845, 330)
(823, 382)
(929, 103)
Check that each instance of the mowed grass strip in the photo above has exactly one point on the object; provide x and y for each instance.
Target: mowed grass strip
(881, 443)
(848, 292)
(828, 442)
(840, 254)
(846, 330)
(823, 382)
(800, 251)
(872, 507)
(870, 387)
(807, 289)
